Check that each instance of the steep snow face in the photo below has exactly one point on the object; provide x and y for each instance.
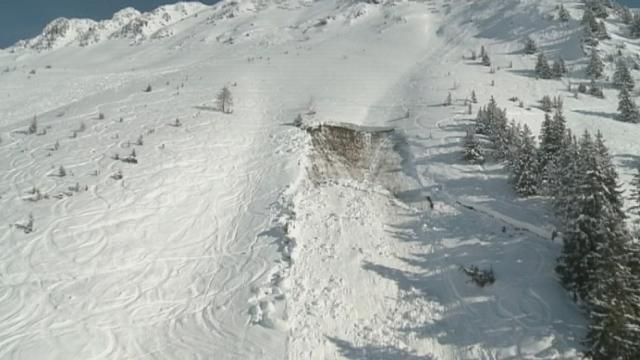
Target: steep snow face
(241, 236)
(127, 23)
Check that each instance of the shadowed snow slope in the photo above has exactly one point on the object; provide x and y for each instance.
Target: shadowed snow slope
(239, 236)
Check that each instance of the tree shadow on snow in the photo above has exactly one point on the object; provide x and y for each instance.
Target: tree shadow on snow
(207, 108)
(523, 72)
(631, 161)
(374, 352)
(513, 21)
(526, 312)
(603, 114)
(512, 312)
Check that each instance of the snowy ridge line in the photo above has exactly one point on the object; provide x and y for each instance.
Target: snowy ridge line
(127, 23)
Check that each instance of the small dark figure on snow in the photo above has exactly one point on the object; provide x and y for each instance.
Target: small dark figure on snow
(430, 202)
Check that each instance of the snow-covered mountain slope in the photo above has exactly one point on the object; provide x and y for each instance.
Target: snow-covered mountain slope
(240, 236)
(128, 23)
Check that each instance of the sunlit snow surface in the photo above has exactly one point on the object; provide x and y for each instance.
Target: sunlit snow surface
(239, 236)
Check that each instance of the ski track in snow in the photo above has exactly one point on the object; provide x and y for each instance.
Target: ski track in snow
(114, 257)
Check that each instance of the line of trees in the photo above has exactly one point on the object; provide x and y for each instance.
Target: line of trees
(599, 262)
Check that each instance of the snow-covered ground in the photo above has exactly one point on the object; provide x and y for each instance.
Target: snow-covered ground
(242, 236)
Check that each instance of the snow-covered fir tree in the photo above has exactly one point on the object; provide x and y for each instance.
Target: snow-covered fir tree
(626, 15)
(627, 108)
(597, 7)
(492, 122)
(514, 141)
(543, 70)
(562, 180)
(530, 46)
(485, 59)
(595, 89)
(601, 31)
(588, 17)
(614, 322)
(525, 168)
(563, 14)
(546, 103)
(488, 116)
(588, 36)
(634, 197)
(614, 298)
(472, 148)
(622, 76)
(557, 69)
(634, 27)
(595, 67)
(596, 221)
(552, 138)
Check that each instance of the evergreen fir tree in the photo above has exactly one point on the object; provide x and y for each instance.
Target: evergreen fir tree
(485, 59)
(598, 8)
(545, 151)
(595, 89)
(614, 328)
(635, 195)
(556, 69)
(552, 138)
(627, 107)
(557, 103)
(614, 297)
(597, 221)
(33, 126)
(582, 88)
(449, 100)
(562, 181)
(588, 37)
(472, 149)
(588, 18)
(634, 28)
(563, 14)
(530, 46)
(626, 15)
(613, 193)
(525, 177)
(474, 99)
(514, 142)
(563, 66)
(595, 68)
(542, 67)
(224, 100)
(583, 223)
(546, 104)
(622, 76)
(601, 31)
